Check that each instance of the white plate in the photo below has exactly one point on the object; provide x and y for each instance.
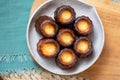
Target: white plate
(81, 8)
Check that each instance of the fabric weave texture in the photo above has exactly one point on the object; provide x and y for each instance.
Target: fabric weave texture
(14, 54)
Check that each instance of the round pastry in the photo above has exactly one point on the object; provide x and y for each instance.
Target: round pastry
(64, 15)
(48, 47)
(83, 25)
(66, 59)
(46, 26)
(66, 37)
(83, 47)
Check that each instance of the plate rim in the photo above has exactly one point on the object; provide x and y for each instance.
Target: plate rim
(31, 52)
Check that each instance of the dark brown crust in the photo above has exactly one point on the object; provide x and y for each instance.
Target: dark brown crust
(83, 18)
(58, 12)
(62, 31)
(64, 65)
(42, 42)
(43, 20)
(80, 54)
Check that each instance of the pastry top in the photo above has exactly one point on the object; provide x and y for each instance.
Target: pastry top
(46, 26)
(83, 47)
(48, 47)
(66, 58)
(83, 25)
(66, 37)
(64, 15)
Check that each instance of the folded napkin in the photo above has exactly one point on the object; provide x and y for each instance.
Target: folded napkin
(14, 54)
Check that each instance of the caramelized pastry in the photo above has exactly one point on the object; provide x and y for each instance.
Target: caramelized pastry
(66, 59)
(64, 15)
(48, 47)
(46, 26)
(83, 25)
(83, 47)
(66, 37)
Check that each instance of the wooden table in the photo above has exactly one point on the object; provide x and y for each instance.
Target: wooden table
(107, 66)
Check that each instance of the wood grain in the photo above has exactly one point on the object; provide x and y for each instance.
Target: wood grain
(107, 66)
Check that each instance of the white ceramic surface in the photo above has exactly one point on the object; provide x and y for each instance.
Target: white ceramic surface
(81, 8)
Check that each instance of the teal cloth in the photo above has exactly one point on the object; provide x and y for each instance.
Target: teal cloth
(14, 54)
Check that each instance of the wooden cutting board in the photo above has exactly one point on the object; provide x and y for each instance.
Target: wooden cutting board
(107, 66)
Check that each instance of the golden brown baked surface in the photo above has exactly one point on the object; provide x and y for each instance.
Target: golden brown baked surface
(66, 37)
(48, 47)
(46, 26)
(66, 58)
(83, 25)
(49, 29)
(64, 15)
(83, 47)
